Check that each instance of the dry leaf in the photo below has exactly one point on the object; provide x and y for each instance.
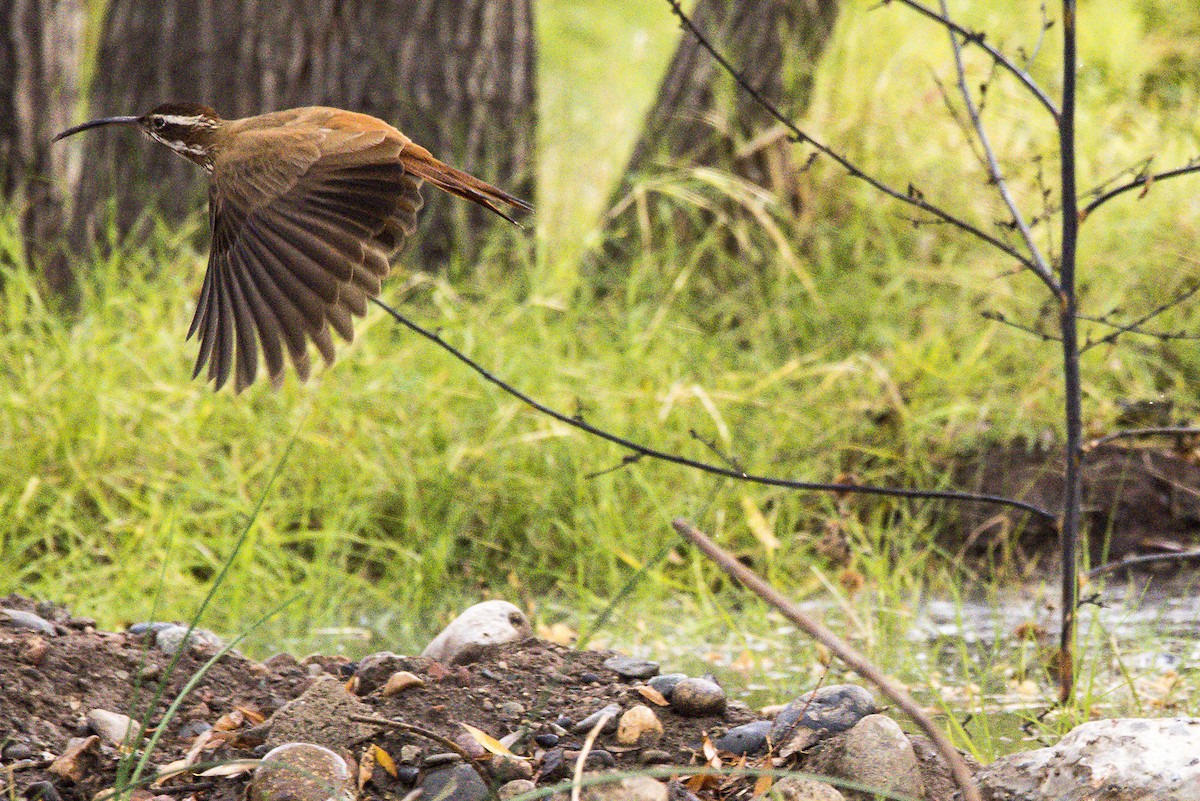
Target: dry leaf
(384, 760)
(489, 742)
(400, 680)
(710, 753)
(234, 767)
(652, 695)
(366, 767)
(253, 716)
(170, 771)
(762, 784)
(230, 720)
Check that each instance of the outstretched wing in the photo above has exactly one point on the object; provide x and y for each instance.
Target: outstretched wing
(302, 228)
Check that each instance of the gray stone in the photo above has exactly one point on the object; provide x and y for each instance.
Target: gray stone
(459, 782)
(301, 772)
(628, 667)
(114, 728)
(1105, 760)
(876, 753)
(27, 620)
(631, 788)
(798, 788)
(321, 715)
(819, 714)
(169, 639)
(476, 631)
(743, 740)
(612, 711)
(515, 788)
(665, 683)
(698, 698)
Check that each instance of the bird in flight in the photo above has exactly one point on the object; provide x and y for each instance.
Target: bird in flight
(306, 208)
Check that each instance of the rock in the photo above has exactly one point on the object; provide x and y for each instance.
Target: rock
(546, 739)
(654, 756)
(876, 753)
(478, 629)
(78, 759)
(510, 710)
(631, 788)
(587, 724)
(665, 683)
(169, 639)
(399, 681)
(819, 714)
(697, 698)
(27, 620)
(1105, 760)
(458, 782)
(507, 769)
(639, 726)
(515, 788)
(155, 627)
(322, 716)
(301, 772)
(628, 667)
(114, 728)
(798, 788)
(15, 752)
(743, 740)
(34, 651)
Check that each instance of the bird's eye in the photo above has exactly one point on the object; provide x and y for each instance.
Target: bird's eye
(158, 123)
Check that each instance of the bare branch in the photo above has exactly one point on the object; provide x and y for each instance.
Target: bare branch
(977, 38)
(1143, 180)
(998, 317)
(1140, 433)
(1039, 265)
(799, 136)
(705, 467)
(1131, 561)
(840, 648)
(1135, 326)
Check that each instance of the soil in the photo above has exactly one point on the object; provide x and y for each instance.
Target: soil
(48, 684)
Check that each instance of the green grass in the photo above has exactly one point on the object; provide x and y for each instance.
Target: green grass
(415, 488)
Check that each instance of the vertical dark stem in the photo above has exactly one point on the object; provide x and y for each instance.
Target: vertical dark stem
(1070, 341)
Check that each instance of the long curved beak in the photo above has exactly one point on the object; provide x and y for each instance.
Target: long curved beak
(95, 124)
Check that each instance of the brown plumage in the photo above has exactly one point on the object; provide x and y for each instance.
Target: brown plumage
(306, 206)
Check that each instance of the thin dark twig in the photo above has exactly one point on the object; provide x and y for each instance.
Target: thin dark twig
(839, 647)
(771, 481)
(976, 38)
(914, 199)
(997, 317)
(1141, 433)
(712, 446)
(1134, 326)
(1165, 336)
(626, 460)
(1142, 180)
(1130, 561)
(1039, 265)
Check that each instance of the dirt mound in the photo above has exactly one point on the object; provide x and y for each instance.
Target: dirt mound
(48, 684)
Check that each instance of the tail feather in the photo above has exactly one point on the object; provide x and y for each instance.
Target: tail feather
(420, 162)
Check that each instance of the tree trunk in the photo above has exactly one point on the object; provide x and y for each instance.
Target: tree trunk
(40, 47)
(455, 75)
(701, 118)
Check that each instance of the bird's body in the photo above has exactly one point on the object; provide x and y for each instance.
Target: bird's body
(306, 206)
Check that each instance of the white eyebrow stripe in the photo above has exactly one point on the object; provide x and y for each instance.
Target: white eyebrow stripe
(176, 119)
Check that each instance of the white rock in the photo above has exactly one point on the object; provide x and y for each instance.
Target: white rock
(480, 627)
(631, 788)
(113, 727)
(1106, 760)
(799, 788)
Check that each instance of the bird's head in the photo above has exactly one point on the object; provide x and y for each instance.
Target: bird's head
(189, 129)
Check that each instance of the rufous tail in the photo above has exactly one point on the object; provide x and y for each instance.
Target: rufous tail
(420, 162)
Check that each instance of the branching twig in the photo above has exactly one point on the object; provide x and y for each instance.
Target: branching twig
(1135, 326)
(1038, 262)
(1143, 180)
(913, 199)
(1140, 433)
(705, 467)
(428, 735)
(1130, 561)
(998, 317)
(841, 649)
(976, 38)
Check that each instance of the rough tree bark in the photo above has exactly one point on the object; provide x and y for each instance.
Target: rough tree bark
(701, 118)
(40, 49)
(458, 76)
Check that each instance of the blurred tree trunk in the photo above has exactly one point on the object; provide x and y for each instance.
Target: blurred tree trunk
(702, 119)
(40, 49)
(456, 75)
